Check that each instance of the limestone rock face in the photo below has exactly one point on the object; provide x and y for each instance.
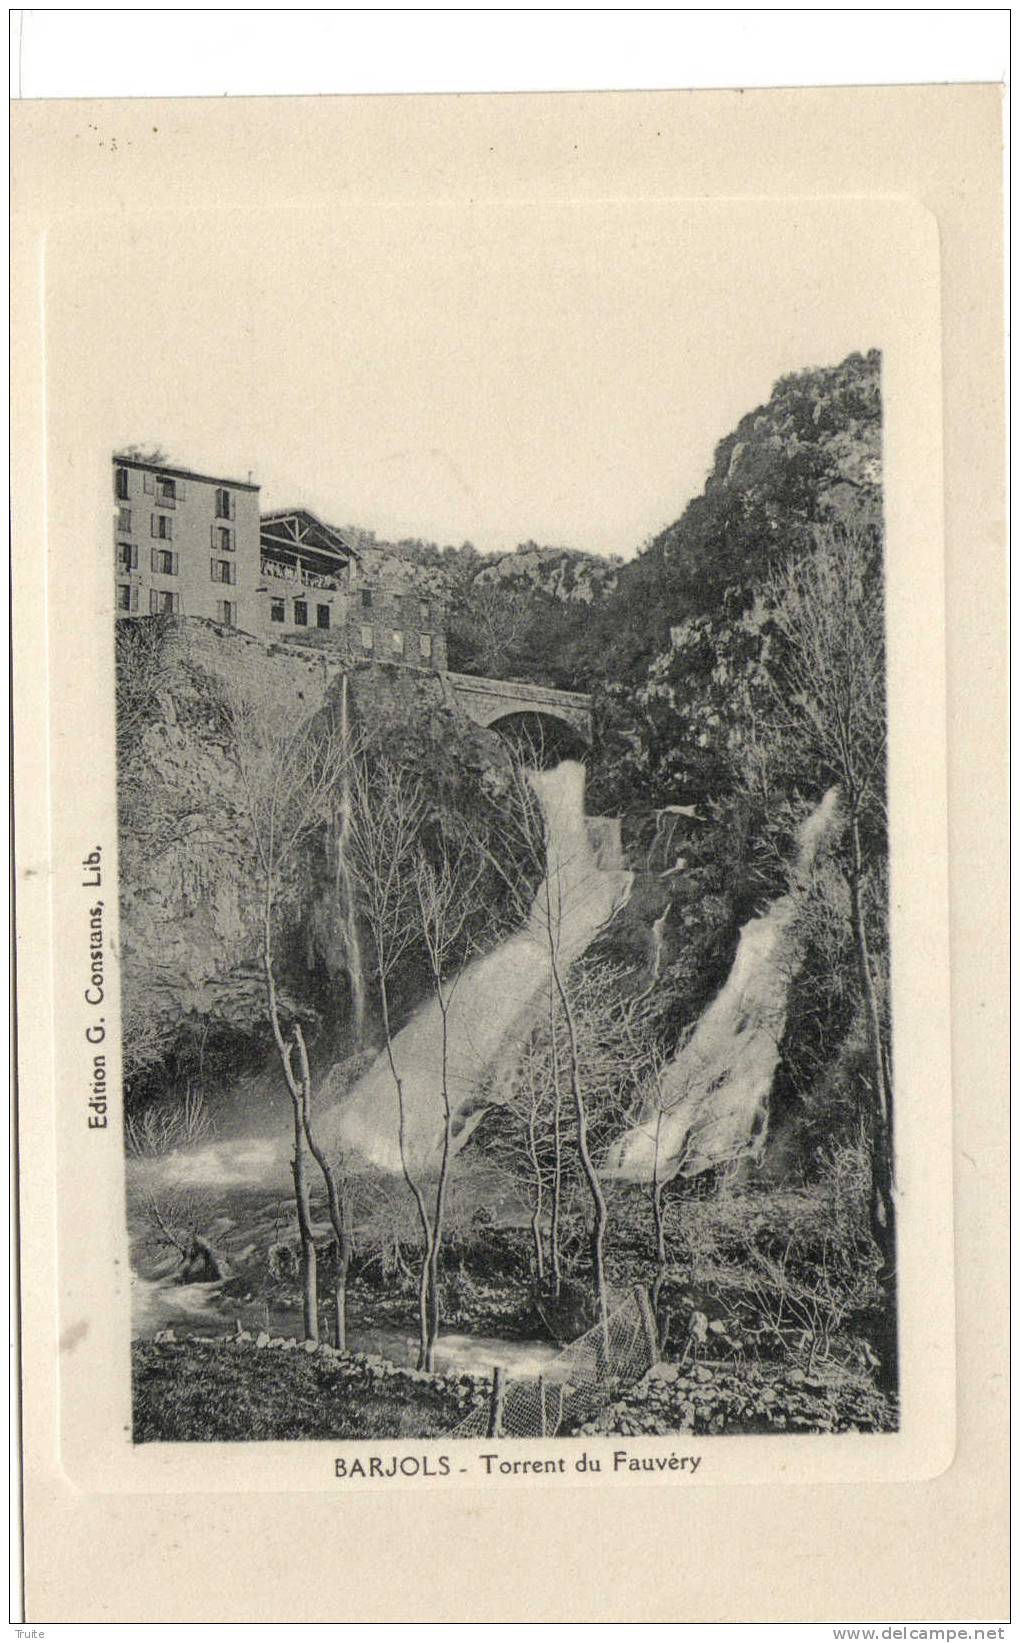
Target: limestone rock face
(189, 915)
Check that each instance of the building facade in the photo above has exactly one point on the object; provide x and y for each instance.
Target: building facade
(188, 544)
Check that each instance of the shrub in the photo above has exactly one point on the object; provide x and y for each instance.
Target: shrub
(789, 1270)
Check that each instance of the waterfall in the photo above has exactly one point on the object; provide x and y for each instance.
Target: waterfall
(605, 834)
(344, 884)
(712, 1104)
(494, 1000)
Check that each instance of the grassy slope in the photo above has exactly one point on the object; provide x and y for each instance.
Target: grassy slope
(211, 1393)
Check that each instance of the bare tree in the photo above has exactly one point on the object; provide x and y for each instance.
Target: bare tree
(660, 1102)
(657, 1097)
(386, 814)
(830, 711)
(519, 1144)
(164, 1126)
(556, 1189)
(177, 1220)
(521, 857)
(288, 776)
(146, 1037)
(446, 891)
(499, 618)
(174, 1215)
(600, 1209)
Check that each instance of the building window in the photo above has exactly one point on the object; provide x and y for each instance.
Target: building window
(122, 484)
(223, 570)
(424, 613)
(127, 555)
(124, 520)
(226, 612)
(166, 491)
(224, 504)
(300, 613)
(322, 616)
(223, 539)
(162, 604)
(425, 644)
(163, 527)
(367, 638)
(127, 597)
(397, 642)
(366, 598)
(277, 610)
(164, 562)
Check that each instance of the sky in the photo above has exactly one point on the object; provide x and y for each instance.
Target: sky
(495, 373)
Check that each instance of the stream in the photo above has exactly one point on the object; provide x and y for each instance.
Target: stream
(162, 1304)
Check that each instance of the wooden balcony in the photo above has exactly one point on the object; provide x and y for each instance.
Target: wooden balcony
(299, 575)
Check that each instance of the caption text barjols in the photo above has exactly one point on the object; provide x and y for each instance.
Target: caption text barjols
(494, 1465)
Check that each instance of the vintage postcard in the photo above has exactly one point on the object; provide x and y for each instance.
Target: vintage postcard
(484, 893)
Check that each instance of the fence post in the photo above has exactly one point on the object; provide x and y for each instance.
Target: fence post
(541, 1401)
(648, 1328)
(496, 1402)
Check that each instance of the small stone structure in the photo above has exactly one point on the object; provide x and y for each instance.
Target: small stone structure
(486, 701)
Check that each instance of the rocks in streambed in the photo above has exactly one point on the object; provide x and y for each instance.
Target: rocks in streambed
(747, 1398)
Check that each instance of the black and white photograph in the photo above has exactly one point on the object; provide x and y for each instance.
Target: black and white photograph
(501, 778)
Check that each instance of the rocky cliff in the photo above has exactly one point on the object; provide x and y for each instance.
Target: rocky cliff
(189, 899)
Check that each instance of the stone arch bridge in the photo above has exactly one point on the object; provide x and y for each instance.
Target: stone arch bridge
(487, 701)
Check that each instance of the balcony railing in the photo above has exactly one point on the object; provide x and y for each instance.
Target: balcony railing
(299, 574)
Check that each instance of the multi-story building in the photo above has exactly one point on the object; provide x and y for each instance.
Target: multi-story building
(191, 545)
(186, 544)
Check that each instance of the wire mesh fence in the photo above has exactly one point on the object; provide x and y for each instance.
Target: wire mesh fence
(588, 1374)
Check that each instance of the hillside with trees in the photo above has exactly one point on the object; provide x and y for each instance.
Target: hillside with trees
(700, 1101)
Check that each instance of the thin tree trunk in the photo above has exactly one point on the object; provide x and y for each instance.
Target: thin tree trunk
(882, 1205)
(598, 1197)
(345, 1252)
(554, 1220)
(335, 1199)
(345, 1255)
(413, 1187)
(660, 1247)
(536, 1213)
(658, 1214)
(309, 1264)
(440, 1206)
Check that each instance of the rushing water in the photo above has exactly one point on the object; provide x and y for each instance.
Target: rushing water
(194, 1309)
(711, 1105)
(494, 1000)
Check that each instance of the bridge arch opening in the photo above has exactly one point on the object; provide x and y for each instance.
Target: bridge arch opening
(541, 739)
